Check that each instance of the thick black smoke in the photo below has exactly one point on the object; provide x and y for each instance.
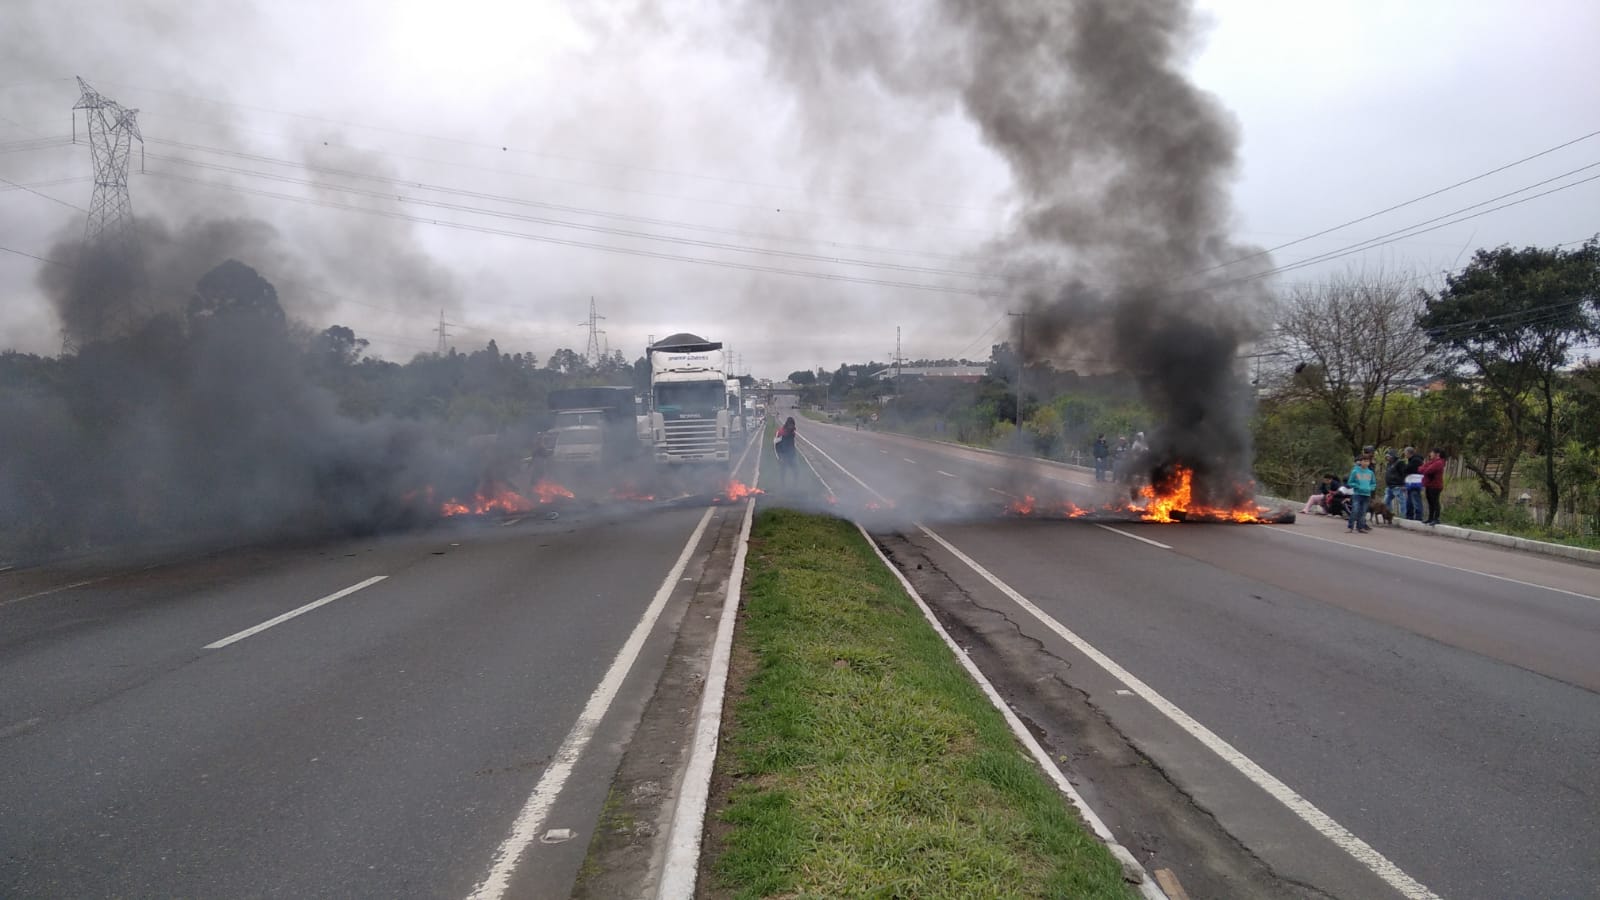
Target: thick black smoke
(197, 418)
(1121, 247)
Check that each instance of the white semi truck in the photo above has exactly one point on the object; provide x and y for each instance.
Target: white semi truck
(738, 422)
(689, 418)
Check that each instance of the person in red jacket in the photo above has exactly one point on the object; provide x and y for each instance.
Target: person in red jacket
(1432, 473)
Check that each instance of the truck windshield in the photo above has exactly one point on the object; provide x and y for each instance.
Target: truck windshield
(699, 397)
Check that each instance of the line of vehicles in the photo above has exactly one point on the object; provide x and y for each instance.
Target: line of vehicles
(685, 432)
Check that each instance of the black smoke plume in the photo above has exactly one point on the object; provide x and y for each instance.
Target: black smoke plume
(1120, 251)
(196, 419)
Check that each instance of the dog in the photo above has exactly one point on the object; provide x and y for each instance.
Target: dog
(1377, 509)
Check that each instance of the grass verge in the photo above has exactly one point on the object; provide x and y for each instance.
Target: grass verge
(862, 759)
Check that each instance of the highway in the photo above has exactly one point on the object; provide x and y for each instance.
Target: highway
(429, 714)
(1393, 714)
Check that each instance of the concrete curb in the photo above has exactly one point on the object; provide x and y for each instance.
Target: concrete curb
(1527, 545)
(1580, 554)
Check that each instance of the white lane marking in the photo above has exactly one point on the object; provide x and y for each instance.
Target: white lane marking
(847, 471)
(689, 817)
(1129, 534)
(54, 590)
(525, 830)
(1000, 492)
(1441, 565)
(19, 727)
(909, 460)
(1040, 755)
(946, 474)
(1300, 806)
(813, 468)
(511, 521)
(298, 611)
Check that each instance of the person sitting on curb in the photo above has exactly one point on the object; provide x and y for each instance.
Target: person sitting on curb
(1319, 500)
(1362, 482)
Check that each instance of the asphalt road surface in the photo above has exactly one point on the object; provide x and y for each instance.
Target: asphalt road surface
(389, 740)
(1434, 702)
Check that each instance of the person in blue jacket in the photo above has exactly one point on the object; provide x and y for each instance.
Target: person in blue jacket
(1362, 483)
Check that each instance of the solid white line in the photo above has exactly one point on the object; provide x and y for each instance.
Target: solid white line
(688, 818)
(526, 827)
(1441, 565)
(1128, 534)
(1129, 863)
(846, 471)
(946, 474)
(825, 486)
(302, 610)
(1316, 818)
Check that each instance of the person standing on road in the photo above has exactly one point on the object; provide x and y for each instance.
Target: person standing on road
(783, 446)
(1413, 484)
(1432, 473)
(1102, 453)
(1394, 483)
(1362, 483)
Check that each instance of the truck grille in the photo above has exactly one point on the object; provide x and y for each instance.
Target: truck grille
(694, 439)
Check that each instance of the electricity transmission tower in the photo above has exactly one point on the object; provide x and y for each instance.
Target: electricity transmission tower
(110, 281)
(593, 353)
(444, 335)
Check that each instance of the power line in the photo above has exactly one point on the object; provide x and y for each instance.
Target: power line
(613, 188)
(53, 262)
(30, 190)
(609, 248)
(1411, 231)
(543, 155)
(1406, 203)
(500, 198)
(563, 223)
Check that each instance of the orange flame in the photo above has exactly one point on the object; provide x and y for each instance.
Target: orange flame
(497, 498)
(549, 491)
(738, 490)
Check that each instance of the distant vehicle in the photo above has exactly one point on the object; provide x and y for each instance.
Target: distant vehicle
(689, 418)
(593, 425)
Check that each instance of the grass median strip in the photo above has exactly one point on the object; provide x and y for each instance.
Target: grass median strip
(860, 760)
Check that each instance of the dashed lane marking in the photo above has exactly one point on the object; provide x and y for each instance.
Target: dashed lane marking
(1129, 534)
(297, 611)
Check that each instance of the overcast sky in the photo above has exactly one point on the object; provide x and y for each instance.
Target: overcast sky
(649, 158)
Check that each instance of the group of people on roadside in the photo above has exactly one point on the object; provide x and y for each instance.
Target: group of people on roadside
(1118, 463)
(1407, 480)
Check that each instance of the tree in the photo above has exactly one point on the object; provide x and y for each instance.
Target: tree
(568, 362)
(1358, 342)
(238, 294)
(1509, 320)
(803, 377)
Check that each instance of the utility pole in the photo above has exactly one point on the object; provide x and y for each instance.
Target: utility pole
(1022, 363)
(592, 352)
(897, 358)
(111, 257)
